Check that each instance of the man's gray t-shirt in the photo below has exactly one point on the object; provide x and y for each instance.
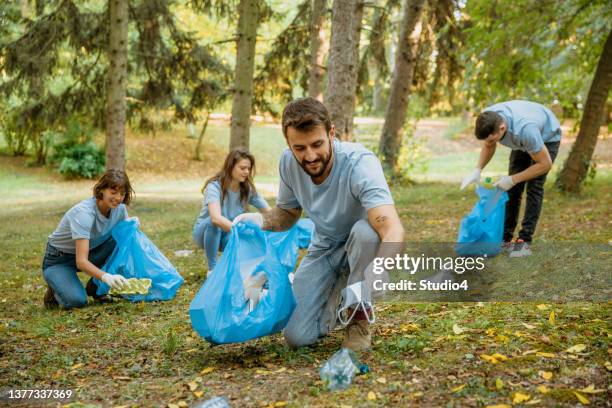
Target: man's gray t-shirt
(85, 221)
(355, 185)
(530, 125)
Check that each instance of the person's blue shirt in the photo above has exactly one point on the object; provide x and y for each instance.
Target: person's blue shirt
(530, 125)
(85, 221)
(231, 207)
(355, 185)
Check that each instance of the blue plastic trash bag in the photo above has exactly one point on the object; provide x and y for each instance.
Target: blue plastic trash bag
(305, 228)
(135, 256)
(481, 231)
(220, 312)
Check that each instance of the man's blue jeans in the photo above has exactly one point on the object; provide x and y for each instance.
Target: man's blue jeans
(60, 272)
(211, 238)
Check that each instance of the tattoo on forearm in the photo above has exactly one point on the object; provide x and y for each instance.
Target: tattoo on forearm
(279, 219)
(381, 219)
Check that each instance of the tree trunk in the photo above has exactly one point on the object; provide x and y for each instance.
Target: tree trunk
(202, 133)
(405, 61)
(343, 65)
(317, 51)
(117, 82)
(577, 164)
(243, 80)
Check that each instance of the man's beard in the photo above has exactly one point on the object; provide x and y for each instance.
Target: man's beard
(324, 161)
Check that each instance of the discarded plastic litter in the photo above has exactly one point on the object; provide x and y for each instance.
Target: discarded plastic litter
(340, 369)
(183, 253)
(364, 368)
(217, 402)
(134, 286)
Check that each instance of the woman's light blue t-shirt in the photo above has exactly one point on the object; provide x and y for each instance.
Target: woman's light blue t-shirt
(85, 221)
(355, 185)
(530, 125)
(232, 207)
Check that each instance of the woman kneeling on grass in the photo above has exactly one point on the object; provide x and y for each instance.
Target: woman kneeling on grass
(226, 195)
(83, 242)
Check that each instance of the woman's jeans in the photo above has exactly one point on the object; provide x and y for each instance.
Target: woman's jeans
(211, 238)
(60, 272)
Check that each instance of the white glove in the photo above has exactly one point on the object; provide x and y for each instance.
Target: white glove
(505, 183)
(472, 178)
(253, 287)
(253, 218)
(113, 280)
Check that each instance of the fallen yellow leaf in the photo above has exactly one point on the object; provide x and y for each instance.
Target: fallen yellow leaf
(578, 348)
(183, 404)
(542, 307)
(591, 390)
(192, 386)
(280, 403)
(458, 329)
(551, 317)
(382, 380)
(458, 388)
(409, 327)
(547, 375)
(608, 365)
(534, 351)
(77, 366)
(528, 326)
(198, 394)
(489, 358)
(542, 389)
(207, 370)
(548, 355)
(490, 332)
(583, 400)
(520, 397)
(499, 357)
(533, 402)
(371, 396)
(173, 406)
(499, 384)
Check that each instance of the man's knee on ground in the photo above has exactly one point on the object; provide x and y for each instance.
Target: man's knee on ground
(299, 337)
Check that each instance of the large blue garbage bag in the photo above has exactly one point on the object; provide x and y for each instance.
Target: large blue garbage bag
(219, 311)
(135, 256)
(305, 228)
(481, 231)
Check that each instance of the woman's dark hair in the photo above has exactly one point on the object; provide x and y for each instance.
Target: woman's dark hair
(486, 123)
(115, 179)
(224, 176)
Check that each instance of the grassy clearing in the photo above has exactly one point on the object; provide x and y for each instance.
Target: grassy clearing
(426, 354)
(147, 354)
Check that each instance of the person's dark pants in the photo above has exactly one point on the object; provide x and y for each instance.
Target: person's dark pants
(60, 272)
(520, 161)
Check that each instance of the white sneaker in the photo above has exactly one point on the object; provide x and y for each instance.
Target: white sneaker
(521, 249)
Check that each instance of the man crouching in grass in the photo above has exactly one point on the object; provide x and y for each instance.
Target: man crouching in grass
(342, 188)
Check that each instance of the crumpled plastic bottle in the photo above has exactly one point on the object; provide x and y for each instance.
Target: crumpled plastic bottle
(340, 369)
(216, 402)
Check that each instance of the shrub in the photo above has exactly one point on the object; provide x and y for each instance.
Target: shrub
(77, 154)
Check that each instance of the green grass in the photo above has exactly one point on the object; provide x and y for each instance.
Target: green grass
(147, 354)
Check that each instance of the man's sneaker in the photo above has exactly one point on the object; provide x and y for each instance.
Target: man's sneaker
(521, 249)
(49, 300)
(507, 247)
(357, 337)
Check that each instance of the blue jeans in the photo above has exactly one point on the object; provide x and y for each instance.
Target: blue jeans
(60, 272)
(210, 238)
(319, 280)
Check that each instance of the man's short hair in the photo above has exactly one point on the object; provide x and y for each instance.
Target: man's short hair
(487, 123)
(305, 114)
